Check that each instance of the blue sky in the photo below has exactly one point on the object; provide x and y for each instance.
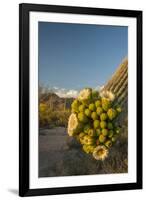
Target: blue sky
(74, 56)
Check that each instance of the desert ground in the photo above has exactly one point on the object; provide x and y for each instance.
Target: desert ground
(61, 155)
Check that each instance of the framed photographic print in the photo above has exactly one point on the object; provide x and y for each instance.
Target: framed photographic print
(80, 100)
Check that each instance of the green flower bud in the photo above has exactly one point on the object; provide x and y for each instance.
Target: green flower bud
(82, 108)
(102, 138)
(81, 135)
(114, 139)
(108, 143)
(91, 148)
(92, 107)
(119, 109)
(81, 140)
(98, 103)
(104, 132)
(94, 115)
(112, 113)
(88, 112)
(117, 130)
(99, 110)
(98, 132)
(103, 124)
(105, 101)
(88, 140)
(82, 117)
(110, 125)
(96, 124)
(87, 128)
(88, 148)
(103, 116)
(106, 104)
(75, 105)
(91, 132)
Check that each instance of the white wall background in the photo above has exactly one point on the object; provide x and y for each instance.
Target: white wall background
(9, 97)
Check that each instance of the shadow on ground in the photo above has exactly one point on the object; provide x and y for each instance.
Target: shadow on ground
(13, 191)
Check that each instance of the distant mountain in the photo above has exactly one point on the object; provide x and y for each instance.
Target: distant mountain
(118, 84)
(54, 101)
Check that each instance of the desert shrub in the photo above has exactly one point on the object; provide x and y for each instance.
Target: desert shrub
(50, 117)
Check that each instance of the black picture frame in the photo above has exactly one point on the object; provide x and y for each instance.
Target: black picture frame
(24, 123)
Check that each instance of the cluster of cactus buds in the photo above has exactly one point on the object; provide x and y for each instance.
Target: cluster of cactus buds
(93, 122)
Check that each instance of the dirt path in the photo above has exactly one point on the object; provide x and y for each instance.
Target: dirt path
(61, 155)
(53, 150)
(53, 139)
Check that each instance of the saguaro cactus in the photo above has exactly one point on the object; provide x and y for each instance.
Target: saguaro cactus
(118, 84)
(97, 115)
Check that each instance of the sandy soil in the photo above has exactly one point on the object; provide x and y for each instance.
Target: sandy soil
(61, 155)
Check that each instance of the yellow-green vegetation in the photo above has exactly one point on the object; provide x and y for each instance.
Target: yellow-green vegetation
(93, 122)
(50, 117)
